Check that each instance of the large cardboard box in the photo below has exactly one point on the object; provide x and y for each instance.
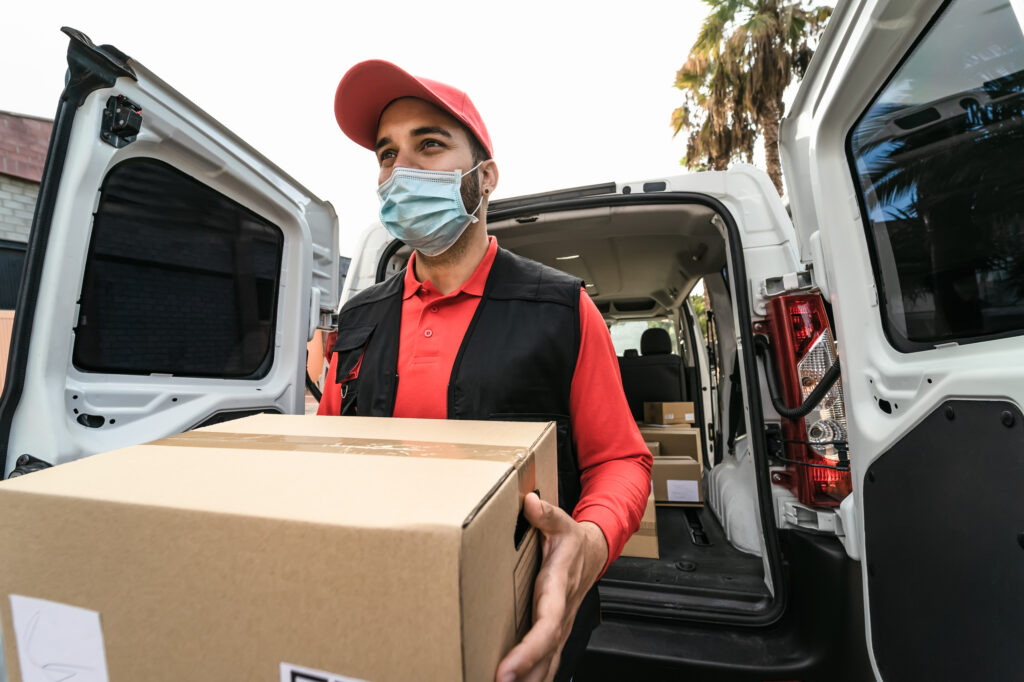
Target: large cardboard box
(644, 542)
(674, 440)
(344, 547)
(654, 447)
(668, 413)
(676, 481)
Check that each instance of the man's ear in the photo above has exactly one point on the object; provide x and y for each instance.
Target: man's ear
(488, 177)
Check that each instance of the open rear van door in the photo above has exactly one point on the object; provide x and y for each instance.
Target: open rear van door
(173, 274)
(902, 155)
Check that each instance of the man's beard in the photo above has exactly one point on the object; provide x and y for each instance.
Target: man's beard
(470, 194)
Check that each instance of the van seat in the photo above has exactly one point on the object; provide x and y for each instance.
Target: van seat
(656, 375)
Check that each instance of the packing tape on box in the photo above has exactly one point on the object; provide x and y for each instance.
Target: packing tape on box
(344, 445)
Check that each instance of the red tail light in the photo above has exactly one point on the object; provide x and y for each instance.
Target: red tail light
(806, 322)
(803, 351)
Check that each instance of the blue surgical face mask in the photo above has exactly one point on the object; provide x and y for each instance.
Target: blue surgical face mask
(424, 208)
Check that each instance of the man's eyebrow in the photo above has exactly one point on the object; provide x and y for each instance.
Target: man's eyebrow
(431, 130)
(382, 142)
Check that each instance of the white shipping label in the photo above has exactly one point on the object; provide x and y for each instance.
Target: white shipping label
(670, 415)
(682, 491)
(297, 673)
(688, 416)
(57, 642)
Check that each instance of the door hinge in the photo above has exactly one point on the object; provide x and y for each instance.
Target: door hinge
(795, 515)
(793, 281)
(122, 121)
(26, 464)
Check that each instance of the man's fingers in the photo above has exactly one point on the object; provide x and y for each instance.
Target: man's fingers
(539, 643)
(545, 639)
(536, 657)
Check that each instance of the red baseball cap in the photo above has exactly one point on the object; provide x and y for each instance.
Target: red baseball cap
(369, 87)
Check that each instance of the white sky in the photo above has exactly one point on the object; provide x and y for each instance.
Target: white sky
(573, 93)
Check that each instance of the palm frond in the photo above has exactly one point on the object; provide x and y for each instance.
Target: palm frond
(745, 56)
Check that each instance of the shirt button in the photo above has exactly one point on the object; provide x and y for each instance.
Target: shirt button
(428, 333)
(433, 308)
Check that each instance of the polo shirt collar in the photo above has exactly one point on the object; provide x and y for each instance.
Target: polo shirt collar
(473, 286)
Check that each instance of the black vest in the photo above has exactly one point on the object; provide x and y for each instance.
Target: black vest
(516, 361)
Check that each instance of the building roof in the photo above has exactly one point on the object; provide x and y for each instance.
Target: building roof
(23, 143)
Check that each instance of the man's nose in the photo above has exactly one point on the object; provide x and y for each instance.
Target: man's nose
(406, 159)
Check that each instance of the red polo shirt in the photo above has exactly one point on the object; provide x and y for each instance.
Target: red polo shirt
(615, 465)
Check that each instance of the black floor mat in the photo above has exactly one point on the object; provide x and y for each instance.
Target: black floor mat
(696, 560)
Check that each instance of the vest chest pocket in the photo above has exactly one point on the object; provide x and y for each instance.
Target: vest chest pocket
(350, 346)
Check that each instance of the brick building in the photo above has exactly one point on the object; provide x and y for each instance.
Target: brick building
(23, 143)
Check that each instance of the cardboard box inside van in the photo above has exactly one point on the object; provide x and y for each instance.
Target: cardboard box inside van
(677, 481)
(674, 440)
(668, 413)
(644, 542)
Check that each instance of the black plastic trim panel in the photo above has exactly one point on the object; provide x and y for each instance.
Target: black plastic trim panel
(944, 545)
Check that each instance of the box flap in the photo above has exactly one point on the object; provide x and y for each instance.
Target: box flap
(522, 434)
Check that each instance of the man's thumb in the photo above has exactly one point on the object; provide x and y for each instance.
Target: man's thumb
(541, 515)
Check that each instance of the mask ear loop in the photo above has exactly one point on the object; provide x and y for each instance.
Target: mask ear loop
(472, 214)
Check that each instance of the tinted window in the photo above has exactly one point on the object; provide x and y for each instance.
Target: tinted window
(180, 280)
(937, 159)
(12, 260)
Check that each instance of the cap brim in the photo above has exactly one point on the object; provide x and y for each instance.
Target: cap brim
(367, 89)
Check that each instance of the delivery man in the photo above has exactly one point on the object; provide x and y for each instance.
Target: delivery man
(471, 331)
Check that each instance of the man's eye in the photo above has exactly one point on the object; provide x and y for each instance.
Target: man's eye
(431, 143)
(386, 155)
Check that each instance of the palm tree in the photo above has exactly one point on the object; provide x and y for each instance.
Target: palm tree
(733, 80)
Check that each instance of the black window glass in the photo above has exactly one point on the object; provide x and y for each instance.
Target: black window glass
(179, 280)
(937, 159)
(12, 261)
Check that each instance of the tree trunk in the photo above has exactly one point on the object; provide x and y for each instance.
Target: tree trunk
(769, 122)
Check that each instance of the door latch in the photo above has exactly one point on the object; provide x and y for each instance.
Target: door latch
(122, 121)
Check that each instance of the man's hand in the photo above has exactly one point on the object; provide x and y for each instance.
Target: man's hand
(574, 556)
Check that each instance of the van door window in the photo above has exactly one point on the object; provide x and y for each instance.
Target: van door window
(936, 159)
(179, 279)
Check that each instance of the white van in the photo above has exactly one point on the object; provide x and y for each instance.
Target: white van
(863, 521)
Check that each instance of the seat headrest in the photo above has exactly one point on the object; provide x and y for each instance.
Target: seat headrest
(655, 342)
(630, 353)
